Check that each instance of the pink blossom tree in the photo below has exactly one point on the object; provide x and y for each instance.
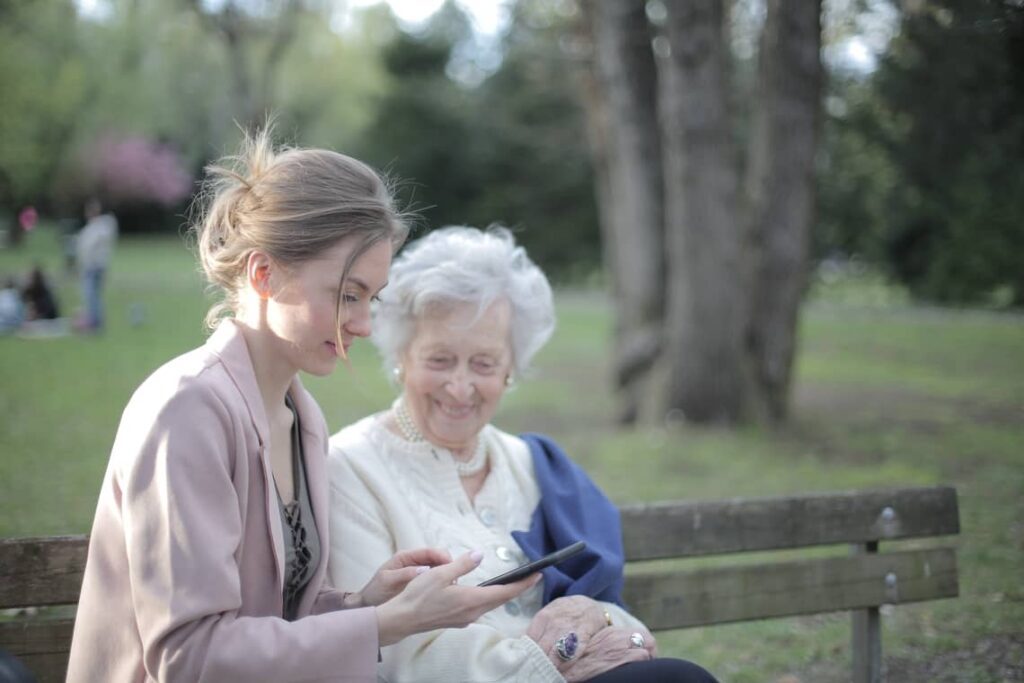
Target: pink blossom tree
(136, 170)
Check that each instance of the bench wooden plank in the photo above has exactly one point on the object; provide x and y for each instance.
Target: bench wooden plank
(687, 529)
(23, 637)
(685, 598)
(41, 571)
(42, 645)
(52, 668)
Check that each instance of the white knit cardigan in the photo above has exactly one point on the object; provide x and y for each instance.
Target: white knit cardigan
(389, 494)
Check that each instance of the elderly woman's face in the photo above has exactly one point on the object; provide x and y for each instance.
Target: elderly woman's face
(455, 371)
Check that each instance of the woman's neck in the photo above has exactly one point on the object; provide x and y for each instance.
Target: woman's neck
(272, 375)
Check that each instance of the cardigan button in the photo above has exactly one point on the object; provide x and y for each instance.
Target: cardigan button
(512, 608)
(488, 516)
(504, 553)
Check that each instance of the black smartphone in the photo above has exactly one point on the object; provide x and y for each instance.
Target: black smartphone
(525, 570)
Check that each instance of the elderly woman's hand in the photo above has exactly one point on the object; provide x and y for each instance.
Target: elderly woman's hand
(597, 647)
(395, 574)
(572, 614)
(608, 648)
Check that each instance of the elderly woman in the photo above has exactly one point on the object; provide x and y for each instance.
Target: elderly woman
(463, 315)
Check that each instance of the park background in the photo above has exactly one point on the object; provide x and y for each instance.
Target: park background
(908, 354)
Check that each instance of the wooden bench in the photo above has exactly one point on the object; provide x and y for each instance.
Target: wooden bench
(48, 571)
(861, 582)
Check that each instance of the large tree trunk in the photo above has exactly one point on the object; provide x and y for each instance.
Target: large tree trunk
(781, 192)
(707, 307)
(621, 94)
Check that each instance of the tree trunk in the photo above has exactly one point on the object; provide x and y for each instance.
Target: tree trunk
(623, 127)
(707, 306)
(781, 193)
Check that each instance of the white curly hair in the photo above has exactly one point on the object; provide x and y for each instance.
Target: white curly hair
(459, 264)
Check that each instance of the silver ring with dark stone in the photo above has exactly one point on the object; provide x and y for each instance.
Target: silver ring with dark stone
(566, 646)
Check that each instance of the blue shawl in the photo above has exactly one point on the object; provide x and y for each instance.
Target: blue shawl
(572, 509)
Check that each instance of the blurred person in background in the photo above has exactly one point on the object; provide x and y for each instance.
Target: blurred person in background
(94, 248)
(207, 559)
(463, 316)
(12, 311)
(40, 301)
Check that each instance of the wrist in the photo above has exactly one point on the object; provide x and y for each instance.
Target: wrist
(353, 600)
(392, 625)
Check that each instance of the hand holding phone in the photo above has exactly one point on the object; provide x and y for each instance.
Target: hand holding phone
(535, 566)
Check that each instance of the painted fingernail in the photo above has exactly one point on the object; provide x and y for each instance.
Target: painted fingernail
(422, 570)
(476, 556)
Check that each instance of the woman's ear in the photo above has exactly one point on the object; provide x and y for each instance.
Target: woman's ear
(258, 269)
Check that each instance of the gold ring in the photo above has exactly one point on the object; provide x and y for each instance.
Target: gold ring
(607, 618)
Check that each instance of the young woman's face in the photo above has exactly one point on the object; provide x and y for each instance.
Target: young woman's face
(303, 312)
(455, 370)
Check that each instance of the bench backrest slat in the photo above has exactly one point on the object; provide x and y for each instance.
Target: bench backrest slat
(684, 598)
(42, 645)
(41, 571)
(689, 529)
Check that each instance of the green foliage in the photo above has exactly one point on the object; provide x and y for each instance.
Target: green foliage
(855, 176)
(536, 164)
(924, 172)
(509, 150)
(44, 84)
(162, 71)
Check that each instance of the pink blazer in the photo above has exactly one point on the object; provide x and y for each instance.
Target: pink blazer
(185, 569)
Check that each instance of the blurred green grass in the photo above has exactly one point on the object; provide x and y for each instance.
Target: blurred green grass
(886, 394)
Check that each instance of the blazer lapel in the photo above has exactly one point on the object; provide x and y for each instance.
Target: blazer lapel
(229, 344)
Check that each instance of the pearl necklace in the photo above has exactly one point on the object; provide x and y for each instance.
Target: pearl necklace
(465, 468)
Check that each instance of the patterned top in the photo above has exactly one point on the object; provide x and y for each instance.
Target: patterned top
(301, 541)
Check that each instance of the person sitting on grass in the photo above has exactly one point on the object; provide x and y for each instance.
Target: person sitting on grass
(40, 302)
(12, 311)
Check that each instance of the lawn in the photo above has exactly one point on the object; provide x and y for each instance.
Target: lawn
(886, 394)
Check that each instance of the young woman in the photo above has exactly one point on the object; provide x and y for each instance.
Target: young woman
(208, 552)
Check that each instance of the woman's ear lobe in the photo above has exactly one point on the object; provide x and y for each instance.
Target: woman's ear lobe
(257, 270)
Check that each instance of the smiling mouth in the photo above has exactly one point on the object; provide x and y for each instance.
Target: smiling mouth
(455, 413)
